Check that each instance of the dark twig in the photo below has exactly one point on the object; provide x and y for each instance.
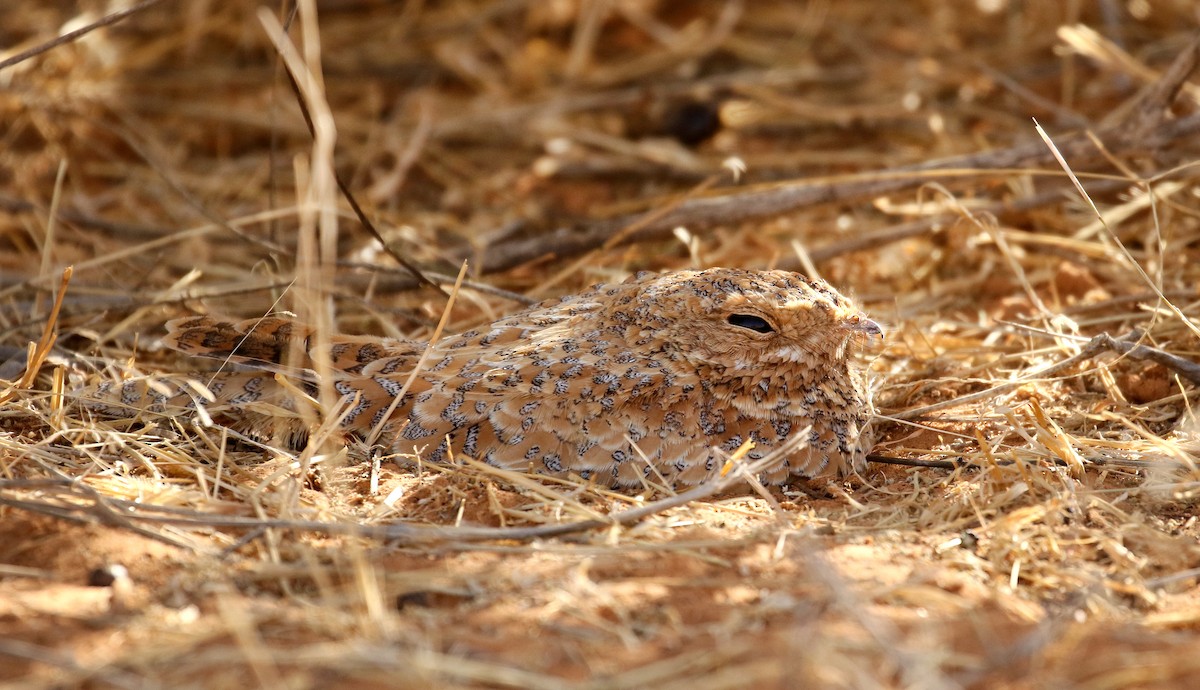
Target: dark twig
(1126, 344)
(1143, 129)
(961, 463)
(85, 501)
(912, 462)
(895, 233)
(349, 196)
(765, 201)
(1144, 111)
(55, 658)
(107, 20)
(136, 143)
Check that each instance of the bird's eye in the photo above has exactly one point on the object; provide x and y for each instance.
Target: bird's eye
(754, 323)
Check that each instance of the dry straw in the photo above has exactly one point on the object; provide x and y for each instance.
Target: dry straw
(1040, 368)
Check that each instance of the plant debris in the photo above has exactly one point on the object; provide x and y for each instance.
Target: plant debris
(342, 160)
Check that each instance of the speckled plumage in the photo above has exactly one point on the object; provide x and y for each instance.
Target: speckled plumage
(673, 371)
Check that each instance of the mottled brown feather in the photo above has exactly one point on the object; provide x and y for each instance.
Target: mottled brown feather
(672, 368)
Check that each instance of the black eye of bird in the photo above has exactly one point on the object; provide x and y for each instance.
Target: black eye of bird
(754, 323)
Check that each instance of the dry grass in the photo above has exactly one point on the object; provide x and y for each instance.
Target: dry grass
(887, 146)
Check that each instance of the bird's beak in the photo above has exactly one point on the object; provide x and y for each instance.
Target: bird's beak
(860, 323)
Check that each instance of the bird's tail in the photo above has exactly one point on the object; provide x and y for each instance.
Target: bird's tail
(254, 403)
(281, 397)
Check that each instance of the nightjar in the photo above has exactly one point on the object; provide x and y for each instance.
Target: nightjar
(658, 378)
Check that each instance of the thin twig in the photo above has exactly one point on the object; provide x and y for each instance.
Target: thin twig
(1127, 346)
(86, 501)
(1144, 129)
(19, 649)
(1095, 346)
(350, 199)
(913, 462)
(751, 203)
(70, 37)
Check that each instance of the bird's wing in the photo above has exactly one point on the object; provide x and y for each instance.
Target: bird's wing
(279, 344)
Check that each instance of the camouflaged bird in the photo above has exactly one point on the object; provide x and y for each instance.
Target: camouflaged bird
(658, 378)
